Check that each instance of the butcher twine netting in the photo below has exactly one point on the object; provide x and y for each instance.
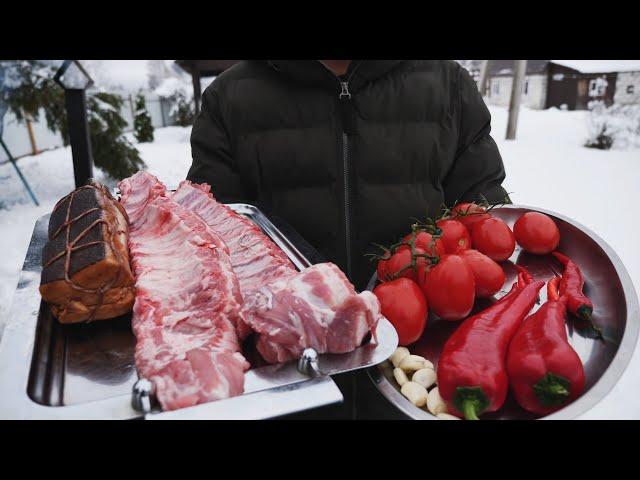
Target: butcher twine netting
(72, 246)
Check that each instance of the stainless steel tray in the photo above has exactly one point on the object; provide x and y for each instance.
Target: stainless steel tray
(616, 309)
(87, 371)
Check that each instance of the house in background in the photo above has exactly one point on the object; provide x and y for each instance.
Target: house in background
(500, 80)
(567, 84)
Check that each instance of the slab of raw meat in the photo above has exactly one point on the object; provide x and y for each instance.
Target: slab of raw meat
(316, 308)
(255, 258)
(187, 300)
(139, 190)
(142, 188)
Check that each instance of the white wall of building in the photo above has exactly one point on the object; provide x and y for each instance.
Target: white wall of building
(534, 92)
(499, 91)
(627, 88)
(536, 95)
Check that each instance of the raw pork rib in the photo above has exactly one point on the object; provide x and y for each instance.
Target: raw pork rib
(255, 258)
(187, 300)
(290, 311)
(316, 308)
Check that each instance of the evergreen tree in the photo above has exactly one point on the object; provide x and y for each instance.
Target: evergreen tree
(142, 121)
(112, 152)
(30, 89)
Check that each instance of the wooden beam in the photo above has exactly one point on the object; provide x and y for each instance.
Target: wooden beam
(519, 72)
(484, 74)
(32, 137)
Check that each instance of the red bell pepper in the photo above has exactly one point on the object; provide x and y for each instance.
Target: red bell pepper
(571, 286)
(472, 374)
(544, 371)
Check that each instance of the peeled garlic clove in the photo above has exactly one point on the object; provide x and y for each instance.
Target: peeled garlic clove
(412, 363)
(435, 403)
(400, 376)
(415, 393)
(398, 355)
(425, 377)
(447, 416)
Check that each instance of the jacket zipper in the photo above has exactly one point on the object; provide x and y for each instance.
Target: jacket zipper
(345, 96)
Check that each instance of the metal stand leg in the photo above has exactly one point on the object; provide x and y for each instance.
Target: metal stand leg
(308, 363)
(141, 398)
(15, 165)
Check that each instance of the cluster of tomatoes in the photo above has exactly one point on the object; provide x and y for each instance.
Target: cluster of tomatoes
(445, 265)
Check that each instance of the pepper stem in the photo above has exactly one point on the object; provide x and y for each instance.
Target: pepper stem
(469, 409)
(552, 390)
(585, 312)
(471, 401)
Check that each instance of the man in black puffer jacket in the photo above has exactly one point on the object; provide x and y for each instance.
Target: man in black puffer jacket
(348, 158)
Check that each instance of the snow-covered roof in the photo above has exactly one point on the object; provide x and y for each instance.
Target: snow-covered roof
(600, 66)
(171, 85)
(126, 75)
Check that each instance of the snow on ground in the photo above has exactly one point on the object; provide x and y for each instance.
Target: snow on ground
(50, 175)
(547, 166)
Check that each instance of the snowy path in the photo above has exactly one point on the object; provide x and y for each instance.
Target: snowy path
(546, 167)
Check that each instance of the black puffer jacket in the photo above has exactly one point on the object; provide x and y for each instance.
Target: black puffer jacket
(349, 163)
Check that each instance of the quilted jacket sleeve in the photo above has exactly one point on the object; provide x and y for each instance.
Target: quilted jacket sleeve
(212, 154)
(478, 169)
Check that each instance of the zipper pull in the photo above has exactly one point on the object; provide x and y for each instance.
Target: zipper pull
(345, 91)
(346, 109)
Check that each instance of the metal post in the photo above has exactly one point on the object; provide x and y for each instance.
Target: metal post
(197, 89)
(164, 124)
(519, 71)
(76, 104)
(15, 165)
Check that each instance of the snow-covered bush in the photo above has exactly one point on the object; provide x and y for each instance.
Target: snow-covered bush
(143, 128)
(617, 126)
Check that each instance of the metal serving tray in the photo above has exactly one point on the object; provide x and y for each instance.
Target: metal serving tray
(87, 371)
(607, 283)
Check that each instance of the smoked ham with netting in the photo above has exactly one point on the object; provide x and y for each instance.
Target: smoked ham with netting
(86, 274)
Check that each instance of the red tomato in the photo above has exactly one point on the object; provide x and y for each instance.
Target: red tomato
(381, 269)
(455, 237)
(488, 275)
(536, 233)
(469, 214)
(404, 305)
(494, 238)
(449, 287)
(388, 269)
(424, 241)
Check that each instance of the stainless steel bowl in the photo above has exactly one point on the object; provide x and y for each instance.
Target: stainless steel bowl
(607, 283)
